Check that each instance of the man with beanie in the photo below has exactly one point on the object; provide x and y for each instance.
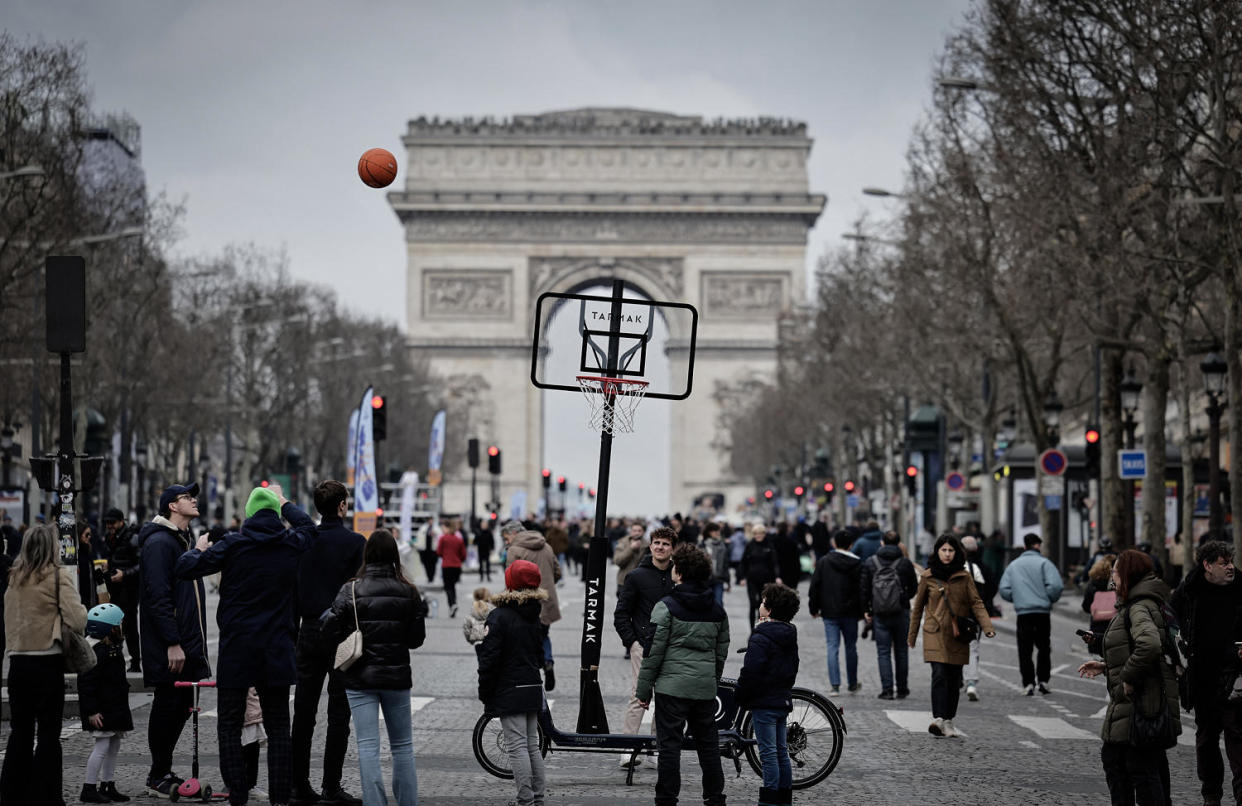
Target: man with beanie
(646, 585)
(527, 544)
(1033, 584)
(510, 657)
(174, 629)
(123, 562)
(334, 558)
(256, 616)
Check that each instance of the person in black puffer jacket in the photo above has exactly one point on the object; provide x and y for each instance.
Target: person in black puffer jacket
(835, 594)
(765, 687)
(759, 566)
(510, 658)
(390, 613)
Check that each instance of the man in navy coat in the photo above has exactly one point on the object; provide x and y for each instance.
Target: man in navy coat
(258, 632)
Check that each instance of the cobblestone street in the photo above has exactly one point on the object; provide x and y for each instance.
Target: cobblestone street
(1017, 749)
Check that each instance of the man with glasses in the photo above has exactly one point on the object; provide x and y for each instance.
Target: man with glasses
(174, 629)
(1208, 604)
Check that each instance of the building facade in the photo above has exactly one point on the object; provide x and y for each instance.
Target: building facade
(713, 213)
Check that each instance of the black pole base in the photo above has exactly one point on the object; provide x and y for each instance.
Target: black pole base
(591, 716)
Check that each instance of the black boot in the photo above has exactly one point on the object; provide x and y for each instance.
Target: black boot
(784, 796)
(303, 795)
(768, 797)
(109, 788)
(549, 677)
(91, 795)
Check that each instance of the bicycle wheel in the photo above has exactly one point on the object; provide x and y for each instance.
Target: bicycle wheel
(489, 747)
(814, 736)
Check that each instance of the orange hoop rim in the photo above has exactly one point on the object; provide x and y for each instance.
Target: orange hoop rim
(605, 381)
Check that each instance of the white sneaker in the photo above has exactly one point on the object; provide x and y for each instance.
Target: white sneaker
(971, 693)
(949, 730)
(1030, 690)
(259, 795)
(936, 728)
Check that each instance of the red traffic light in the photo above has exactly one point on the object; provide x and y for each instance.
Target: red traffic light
(849, 486)
(1092, 435)
(829, 486)
(379, 513)
(751, 500)
(581, 486)
(912, 471)
(492, 450)
(591, 492)
(492, 516)
(547, 474)
(263, 483)
(560, 479)
(377, 402)
(799, 490)
(768, 494)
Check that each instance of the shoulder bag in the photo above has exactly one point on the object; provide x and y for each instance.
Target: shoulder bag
(78, 654)
(1151, 731)
(350, 650)
(965, 628)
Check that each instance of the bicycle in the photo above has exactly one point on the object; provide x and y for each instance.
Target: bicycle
(815, 736)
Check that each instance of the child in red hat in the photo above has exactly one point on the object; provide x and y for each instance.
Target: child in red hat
(510, 658)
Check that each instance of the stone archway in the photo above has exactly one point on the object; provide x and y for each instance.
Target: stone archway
(713, 213)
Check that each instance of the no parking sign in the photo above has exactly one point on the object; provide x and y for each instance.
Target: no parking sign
(1053, 462)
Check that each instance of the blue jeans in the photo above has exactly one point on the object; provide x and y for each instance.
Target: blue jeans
(770, 735)
(890, 639)
(365, 707)
(834, 630)
(718, 592)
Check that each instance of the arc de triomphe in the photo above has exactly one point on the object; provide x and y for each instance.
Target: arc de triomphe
(714, 213)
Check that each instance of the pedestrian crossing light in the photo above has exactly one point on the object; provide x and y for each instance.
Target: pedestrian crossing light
(799, 490)
(912, 475)
(561, 483)
(379, 418)
(829, 487)
(493, 460)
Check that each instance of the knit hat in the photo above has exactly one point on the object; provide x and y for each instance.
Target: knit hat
(262, 498)
(521, 575)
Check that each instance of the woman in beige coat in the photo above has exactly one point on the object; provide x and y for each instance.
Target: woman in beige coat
(946, 589)
(32, 623)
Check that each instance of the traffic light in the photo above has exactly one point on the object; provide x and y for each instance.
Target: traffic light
(1092, 436)
(591, 492)
(829, 487)
(799, 490)
(912, 478)
(849, 486)
(560, 483)
(493, 460)
(768, 494)
(547, 478)
(581, 487)
(379, 418)
(472, 452)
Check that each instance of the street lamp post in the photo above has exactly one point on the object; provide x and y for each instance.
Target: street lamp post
(6, 445)
(1214, 371)
(1052, 418)
(1052, 427)
(140, 499)
(1131, 389)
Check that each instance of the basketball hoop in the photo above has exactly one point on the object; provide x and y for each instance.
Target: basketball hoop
(613, 402)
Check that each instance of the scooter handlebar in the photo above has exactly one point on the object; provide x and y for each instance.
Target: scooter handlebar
(194, 684)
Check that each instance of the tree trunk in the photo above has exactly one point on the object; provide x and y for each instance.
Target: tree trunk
(1233, 343)
(1187, 525)
(1155, 403)
(1112, 489)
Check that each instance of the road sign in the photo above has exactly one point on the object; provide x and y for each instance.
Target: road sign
(1051, 485)
(851, 501)
(1052, 502)
(1053, 462)
(1133, 463)
(955, 481)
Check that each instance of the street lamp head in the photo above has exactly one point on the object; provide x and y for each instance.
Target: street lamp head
(1197, 442)
(1052, 411)
(957, 83)
(1131, 389)
(1215, 371)
(881, 192)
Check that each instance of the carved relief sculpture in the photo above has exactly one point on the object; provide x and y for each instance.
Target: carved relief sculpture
(451, 293)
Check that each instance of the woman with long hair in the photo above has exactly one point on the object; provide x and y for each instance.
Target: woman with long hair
(41, 593)
(1138, 677)
(948, 596)
(389, 612)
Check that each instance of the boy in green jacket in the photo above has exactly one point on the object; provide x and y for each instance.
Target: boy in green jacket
(683, 667)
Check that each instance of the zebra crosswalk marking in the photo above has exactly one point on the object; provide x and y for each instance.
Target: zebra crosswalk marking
(1051, 727)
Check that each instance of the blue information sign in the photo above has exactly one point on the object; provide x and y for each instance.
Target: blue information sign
(1133, 463)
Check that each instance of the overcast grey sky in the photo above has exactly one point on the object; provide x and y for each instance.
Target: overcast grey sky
(255, 112)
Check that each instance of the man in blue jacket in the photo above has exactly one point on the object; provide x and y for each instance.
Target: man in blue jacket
(322, 571)
(174, 629)
(1032, 583)
(258, 629)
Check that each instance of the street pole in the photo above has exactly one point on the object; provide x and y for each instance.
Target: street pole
(1216, 515)
(474, 481)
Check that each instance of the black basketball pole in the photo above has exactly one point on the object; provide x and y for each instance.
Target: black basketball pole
(591, 716)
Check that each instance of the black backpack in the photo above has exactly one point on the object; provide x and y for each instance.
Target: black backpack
(887, 596)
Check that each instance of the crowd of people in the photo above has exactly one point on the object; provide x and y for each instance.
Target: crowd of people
(294, 593)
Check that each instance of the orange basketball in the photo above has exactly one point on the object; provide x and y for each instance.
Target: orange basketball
(377, 167)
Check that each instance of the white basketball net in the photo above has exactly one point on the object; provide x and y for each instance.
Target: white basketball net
(613, 402)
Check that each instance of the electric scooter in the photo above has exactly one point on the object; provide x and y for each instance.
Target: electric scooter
(192, 788)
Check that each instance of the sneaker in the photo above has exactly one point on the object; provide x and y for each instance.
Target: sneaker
(92, 795)
(1043, 689)
(936, 728)
(164, 786)
(854, 689)
(549, 677)
(903, 693)
(950, 731)
(972, 693)
(886, 695)
(336, 796)
(259, 795)
(836, 692)
(1030, 690)
(303, 795)
(453, 611)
